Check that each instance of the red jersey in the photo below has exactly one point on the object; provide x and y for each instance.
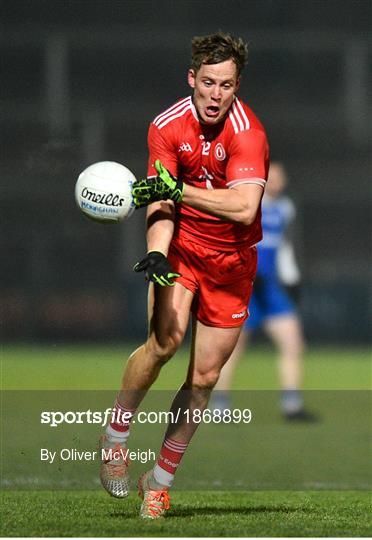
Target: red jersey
(232, 152)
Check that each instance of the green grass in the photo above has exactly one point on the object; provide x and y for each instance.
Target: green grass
(200, 514)
(264, 454)
(100, 368)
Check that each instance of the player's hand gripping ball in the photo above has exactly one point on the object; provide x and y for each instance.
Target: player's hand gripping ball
(103, 192)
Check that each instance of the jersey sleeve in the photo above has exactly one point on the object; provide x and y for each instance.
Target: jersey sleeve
(248, 159)
(161, 147)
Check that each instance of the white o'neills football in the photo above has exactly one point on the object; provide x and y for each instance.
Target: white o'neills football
(103, 192)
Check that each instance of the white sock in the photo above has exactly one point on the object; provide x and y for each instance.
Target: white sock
(162, 477)
(117, 436)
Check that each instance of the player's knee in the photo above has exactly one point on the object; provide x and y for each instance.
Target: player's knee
(163, 349)
(205, 380)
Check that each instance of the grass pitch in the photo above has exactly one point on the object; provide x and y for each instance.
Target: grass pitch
(83, 367)
(31, 509)
(200, 514)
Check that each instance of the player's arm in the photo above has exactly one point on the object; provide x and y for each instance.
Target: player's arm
(246, 175)
(160, 215)
(160, 225)
(238, 204)
(246, 172)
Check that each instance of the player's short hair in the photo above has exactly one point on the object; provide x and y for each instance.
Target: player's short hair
(217, 48)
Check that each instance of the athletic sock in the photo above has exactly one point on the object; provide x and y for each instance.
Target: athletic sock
(118, 429)
(169, 458)
(292, 401)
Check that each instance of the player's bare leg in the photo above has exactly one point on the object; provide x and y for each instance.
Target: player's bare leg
(211, 348)
(227, 372)
(221, 396)
(169, 309)
(286, 333)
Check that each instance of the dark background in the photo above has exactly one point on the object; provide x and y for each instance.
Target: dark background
(80, 82)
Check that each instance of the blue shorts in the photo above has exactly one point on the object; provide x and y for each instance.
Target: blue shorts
(269, 299)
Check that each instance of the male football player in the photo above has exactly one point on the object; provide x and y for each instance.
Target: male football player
(207, 169)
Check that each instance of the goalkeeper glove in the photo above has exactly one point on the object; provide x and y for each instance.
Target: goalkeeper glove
(161, 188)
(157, 269)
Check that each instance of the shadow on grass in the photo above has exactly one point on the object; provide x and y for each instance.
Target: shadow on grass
(218, 510)
(213, 510)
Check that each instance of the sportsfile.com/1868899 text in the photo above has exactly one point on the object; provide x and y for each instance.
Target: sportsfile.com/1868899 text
(196, 416)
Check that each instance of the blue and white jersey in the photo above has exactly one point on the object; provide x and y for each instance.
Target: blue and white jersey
(277, 214)
(269, 299)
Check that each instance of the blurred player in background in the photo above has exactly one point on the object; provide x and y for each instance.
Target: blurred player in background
(288, 271)
(271, 306)
(208, 163)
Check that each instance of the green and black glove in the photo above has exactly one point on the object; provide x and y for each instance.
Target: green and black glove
(161, 188)
(157, 269)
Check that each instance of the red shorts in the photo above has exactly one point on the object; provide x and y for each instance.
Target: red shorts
(221, 281)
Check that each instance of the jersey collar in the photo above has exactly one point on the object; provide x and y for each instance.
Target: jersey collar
(193, 110)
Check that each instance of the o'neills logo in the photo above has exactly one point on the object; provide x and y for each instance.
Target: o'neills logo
(238, 315)
(109, 199)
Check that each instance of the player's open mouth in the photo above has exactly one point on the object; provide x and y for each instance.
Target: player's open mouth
(212, 111)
